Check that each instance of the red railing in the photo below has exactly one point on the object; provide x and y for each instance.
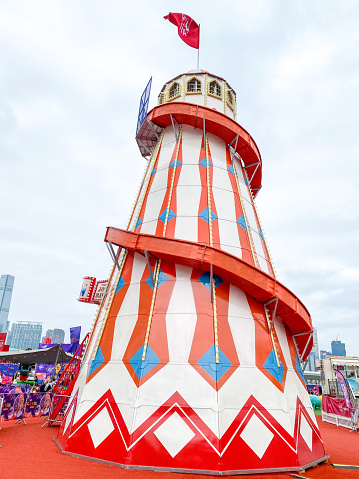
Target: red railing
(66, 382)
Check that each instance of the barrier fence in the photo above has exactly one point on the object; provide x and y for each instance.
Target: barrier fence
(18, 403)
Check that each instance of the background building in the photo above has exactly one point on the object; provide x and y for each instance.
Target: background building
(58, 336)
(6, 287)
(25, 334)
(338, 348)
(314, 354)
(48, 334)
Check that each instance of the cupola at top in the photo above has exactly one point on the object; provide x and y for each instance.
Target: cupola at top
(201, 88)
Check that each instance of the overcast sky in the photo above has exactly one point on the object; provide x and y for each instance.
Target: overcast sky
(71, 76)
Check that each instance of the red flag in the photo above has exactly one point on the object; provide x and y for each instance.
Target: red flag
(2, 341)
(188, 29)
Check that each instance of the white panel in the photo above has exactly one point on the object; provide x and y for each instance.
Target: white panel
(224, 199)
(187, 228)
(100, 427)
(258, 246)
(153, 211)
(257, 436)
(174, 434)
(167, 147)
(216, 103)
(128, 314)
(185, 380)
(191, 145)
(196, 99)
(189, 187)
(242, 326)
(306, 431)
(217, 149)
(181, 317)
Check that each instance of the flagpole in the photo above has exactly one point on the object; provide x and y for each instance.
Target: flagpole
(198, 47)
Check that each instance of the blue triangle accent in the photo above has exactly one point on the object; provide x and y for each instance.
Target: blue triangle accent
(300, 370)
(162, 216)
(140, 367)
(231, 170)
(204, 162)
(153, 171)
(272, 367)
(246, 181)
(242, 222)
(120, 283)
(205, 215)
(205, 279)
(139, 222)
(97, 361)
(172, 165)
(162, 278)
(261, 234)
(208, 363)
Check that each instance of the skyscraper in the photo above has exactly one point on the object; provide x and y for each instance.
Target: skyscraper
(58, 336)
(338, 348)
(25, 334)
(6, 287)
(49, 333)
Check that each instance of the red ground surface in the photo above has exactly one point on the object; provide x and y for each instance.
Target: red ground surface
(29, 452)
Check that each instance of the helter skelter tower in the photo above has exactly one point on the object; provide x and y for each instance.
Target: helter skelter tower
(194, 360)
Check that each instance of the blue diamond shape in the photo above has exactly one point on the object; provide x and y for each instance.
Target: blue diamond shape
(97, 361)
(261, 234)
(300, 370)
(205, 215)
(208, 363)
(162, 278)
(231, 169)
(272, 367)
(162, 216)
(246, 181)
(140, 367)
(204, 162)
(206, 280)
(242, 222)
(139, 222)
(120, 283)
(172, 165)
(153, 171)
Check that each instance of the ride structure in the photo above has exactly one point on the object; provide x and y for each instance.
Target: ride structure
(194, 359)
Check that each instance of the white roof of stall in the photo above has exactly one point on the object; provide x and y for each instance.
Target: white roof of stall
(344, 360)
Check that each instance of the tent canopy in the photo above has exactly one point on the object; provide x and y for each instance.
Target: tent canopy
(47, 356)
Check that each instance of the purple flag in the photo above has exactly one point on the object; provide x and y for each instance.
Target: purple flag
(343, 387)
(75, 339)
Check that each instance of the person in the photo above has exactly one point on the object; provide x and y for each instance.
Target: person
(48, 385)
(44, 385)
(16, 377)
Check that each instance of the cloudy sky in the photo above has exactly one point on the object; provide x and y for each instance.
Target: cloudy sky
(71, 76)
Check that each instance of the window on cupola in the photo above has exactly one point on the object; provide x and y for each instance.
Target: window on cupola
(194, 86)
(174, 90)
(215, 89)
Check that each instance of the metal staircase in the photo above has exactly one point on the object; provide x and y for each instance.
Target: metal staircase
(65, 384)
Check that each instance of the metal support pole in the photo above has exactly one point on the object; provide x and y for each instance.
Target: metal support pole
(250, 181)
(211, 280)
(173, 120)
(304, 350)
(149, 267)
(152, 129)
(144, 146)
(112, 254)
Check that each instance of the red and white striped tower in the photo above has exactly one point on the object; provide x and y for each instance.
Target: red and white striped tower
(194, 360)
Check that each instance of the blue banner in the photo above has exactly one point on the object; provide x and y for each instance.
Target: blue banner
(75, 339)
